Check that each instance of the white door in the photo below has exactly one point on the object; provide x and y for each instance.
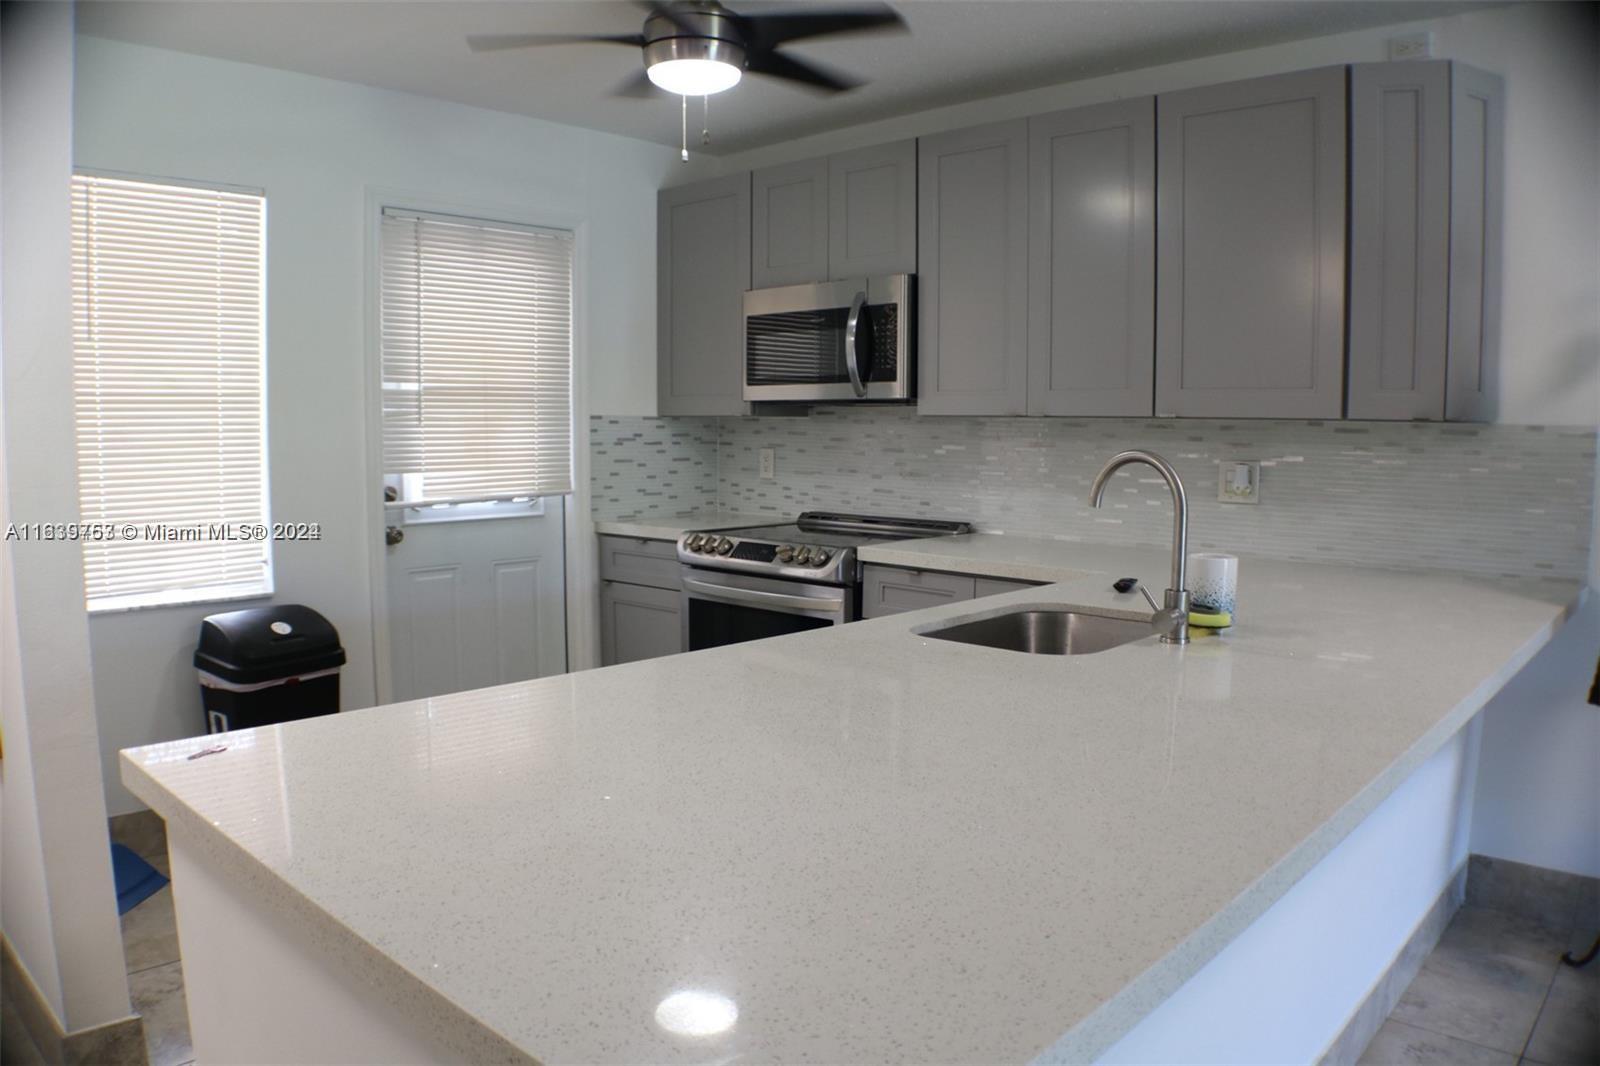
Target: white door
(474, 439)
(476, 601)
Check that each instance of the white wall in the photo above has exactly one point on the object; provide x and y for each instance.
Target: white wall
(57, 904)
(1538, 796)
(317, 147)
(1550, 348)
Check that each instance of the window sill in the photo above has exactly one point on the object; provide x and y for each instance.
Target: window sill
(186, 598)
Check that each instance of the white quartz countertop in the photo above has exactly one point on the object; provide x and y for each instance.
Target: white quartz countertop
(879, 846)
(671, 527)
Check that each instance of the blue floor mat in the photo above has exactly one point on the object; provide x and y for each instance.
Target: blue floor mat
(136, 879)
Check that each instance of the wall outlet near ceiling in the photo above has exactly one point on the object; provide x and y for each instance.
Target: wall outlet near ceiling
(769, 463)
(1411, 46)
(1239, 481)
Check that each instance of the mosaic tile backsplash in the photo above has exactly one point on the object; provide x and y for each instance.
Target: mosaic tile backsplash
(1507, 500)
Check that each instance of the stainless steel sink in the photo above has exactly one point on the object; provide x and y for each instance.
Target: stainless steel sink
(1046, 632)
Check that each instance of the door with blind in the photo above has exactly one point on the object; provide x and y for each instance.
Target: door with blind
(476, 369)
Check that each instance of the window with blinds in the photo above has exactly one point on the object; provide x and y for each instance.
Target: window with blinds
(477, 359)
(169, 362)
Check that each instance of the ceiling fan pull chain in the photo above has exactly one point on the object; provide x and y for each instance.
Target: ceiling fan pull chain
(684, 132)
(705, 120)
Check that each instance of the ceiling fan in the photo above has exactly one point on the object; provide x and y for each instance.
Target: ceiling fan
(699, 47)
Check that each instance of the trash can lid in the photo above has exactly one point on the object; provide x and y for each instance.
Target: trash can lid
(267, 643)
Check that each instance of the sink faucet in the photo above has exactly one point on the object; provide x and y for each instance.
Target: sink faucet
(1172, 620)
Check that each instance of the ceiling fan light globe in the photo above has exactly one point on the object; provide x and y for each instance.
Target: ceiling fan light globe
(695, 77)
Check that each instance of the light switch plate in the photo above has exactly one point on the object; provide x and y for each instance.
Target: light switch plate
(1239, 481)
(769, 463)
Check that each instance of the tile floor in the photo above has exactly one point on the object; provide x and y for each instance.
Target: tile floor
(150, 946)
(1494, 989)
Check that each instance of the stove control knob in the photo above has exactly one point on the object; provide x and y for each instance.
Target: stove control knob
(786, 554)
(820, 557)
(692, 542)
(724, 546)
(802, 557)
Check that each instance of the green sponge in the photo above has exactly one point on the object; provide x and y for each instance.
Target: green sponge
(1211, 619)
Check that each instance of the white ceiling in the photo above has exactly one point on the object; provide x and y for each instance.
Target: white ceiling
(957, 50)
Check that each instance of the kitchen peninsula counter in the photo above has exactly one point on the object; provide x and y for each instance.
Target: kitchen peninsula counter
(853, 844)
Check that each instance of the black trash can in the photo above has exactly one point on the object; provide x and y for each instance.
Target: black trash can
(267, 665)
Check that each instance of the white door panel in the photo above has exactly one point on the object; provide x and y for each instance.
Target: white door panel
(477, 602)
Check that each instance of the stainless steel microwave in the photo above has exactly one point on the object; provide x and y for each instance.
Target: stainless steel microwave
(832, 341)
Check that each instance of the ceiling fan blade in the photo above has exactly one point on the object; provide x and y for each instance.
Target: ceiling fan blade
(769, 31)
(500, 42)
(776, 65)
(638, 87)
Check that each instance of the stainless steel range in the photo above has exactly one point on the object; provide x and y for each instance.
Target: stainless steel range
(764, 581)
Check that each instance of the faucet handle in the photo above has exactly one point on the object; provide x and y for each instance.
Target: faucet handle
(1151, 600)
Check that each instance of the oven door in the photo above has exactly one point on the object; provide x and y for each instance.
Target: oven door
(832, 341)
(727, 608)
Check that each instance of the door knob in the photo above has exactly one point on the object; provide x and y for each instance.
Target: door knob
(393, 535)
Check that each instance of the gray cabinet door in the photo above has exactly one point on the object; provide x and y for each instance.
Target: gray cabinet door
(638, 622)
(972, 265)
(1092, 260)
(1399, 238)
(789, 224)
(872, 212)
(702, 272)
(1477, 120)
(887, 590)
(640, 561)
(995, 586)
(1250, 250)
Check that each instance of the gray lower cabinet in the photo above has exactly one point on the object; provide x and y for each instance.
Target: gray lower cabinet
(640, 599)
(1250, 250)
(887, 590)
(1092, 260)
(872, 211)
(972, 267)
(1425, 170)
(789, 224)
(638, 622)
(702, 271)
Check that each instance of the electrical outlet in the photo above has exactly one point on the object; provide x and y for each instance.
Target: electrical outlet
(1239, 481)
(1411, 46)
(769, 463)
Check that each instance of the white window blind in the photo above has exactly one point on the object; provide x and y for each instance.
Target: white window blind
(477, 359)
(168, 364)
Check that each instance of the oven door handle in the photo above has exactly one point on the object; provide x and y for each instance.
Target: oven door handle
(852, 333)
(757, 598)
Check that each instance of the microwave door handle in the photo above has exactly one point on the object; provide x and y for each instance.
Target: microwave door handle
(852, 333)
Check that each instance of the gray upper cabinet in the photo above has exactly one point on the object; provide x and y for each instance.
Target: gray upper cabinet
(1425, 163)
(789, 224)
(872, 211)
(702, 271)
(1092, 260)
(972, 267)
(1399, 238)
(1250, 250)
(1477, 154)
